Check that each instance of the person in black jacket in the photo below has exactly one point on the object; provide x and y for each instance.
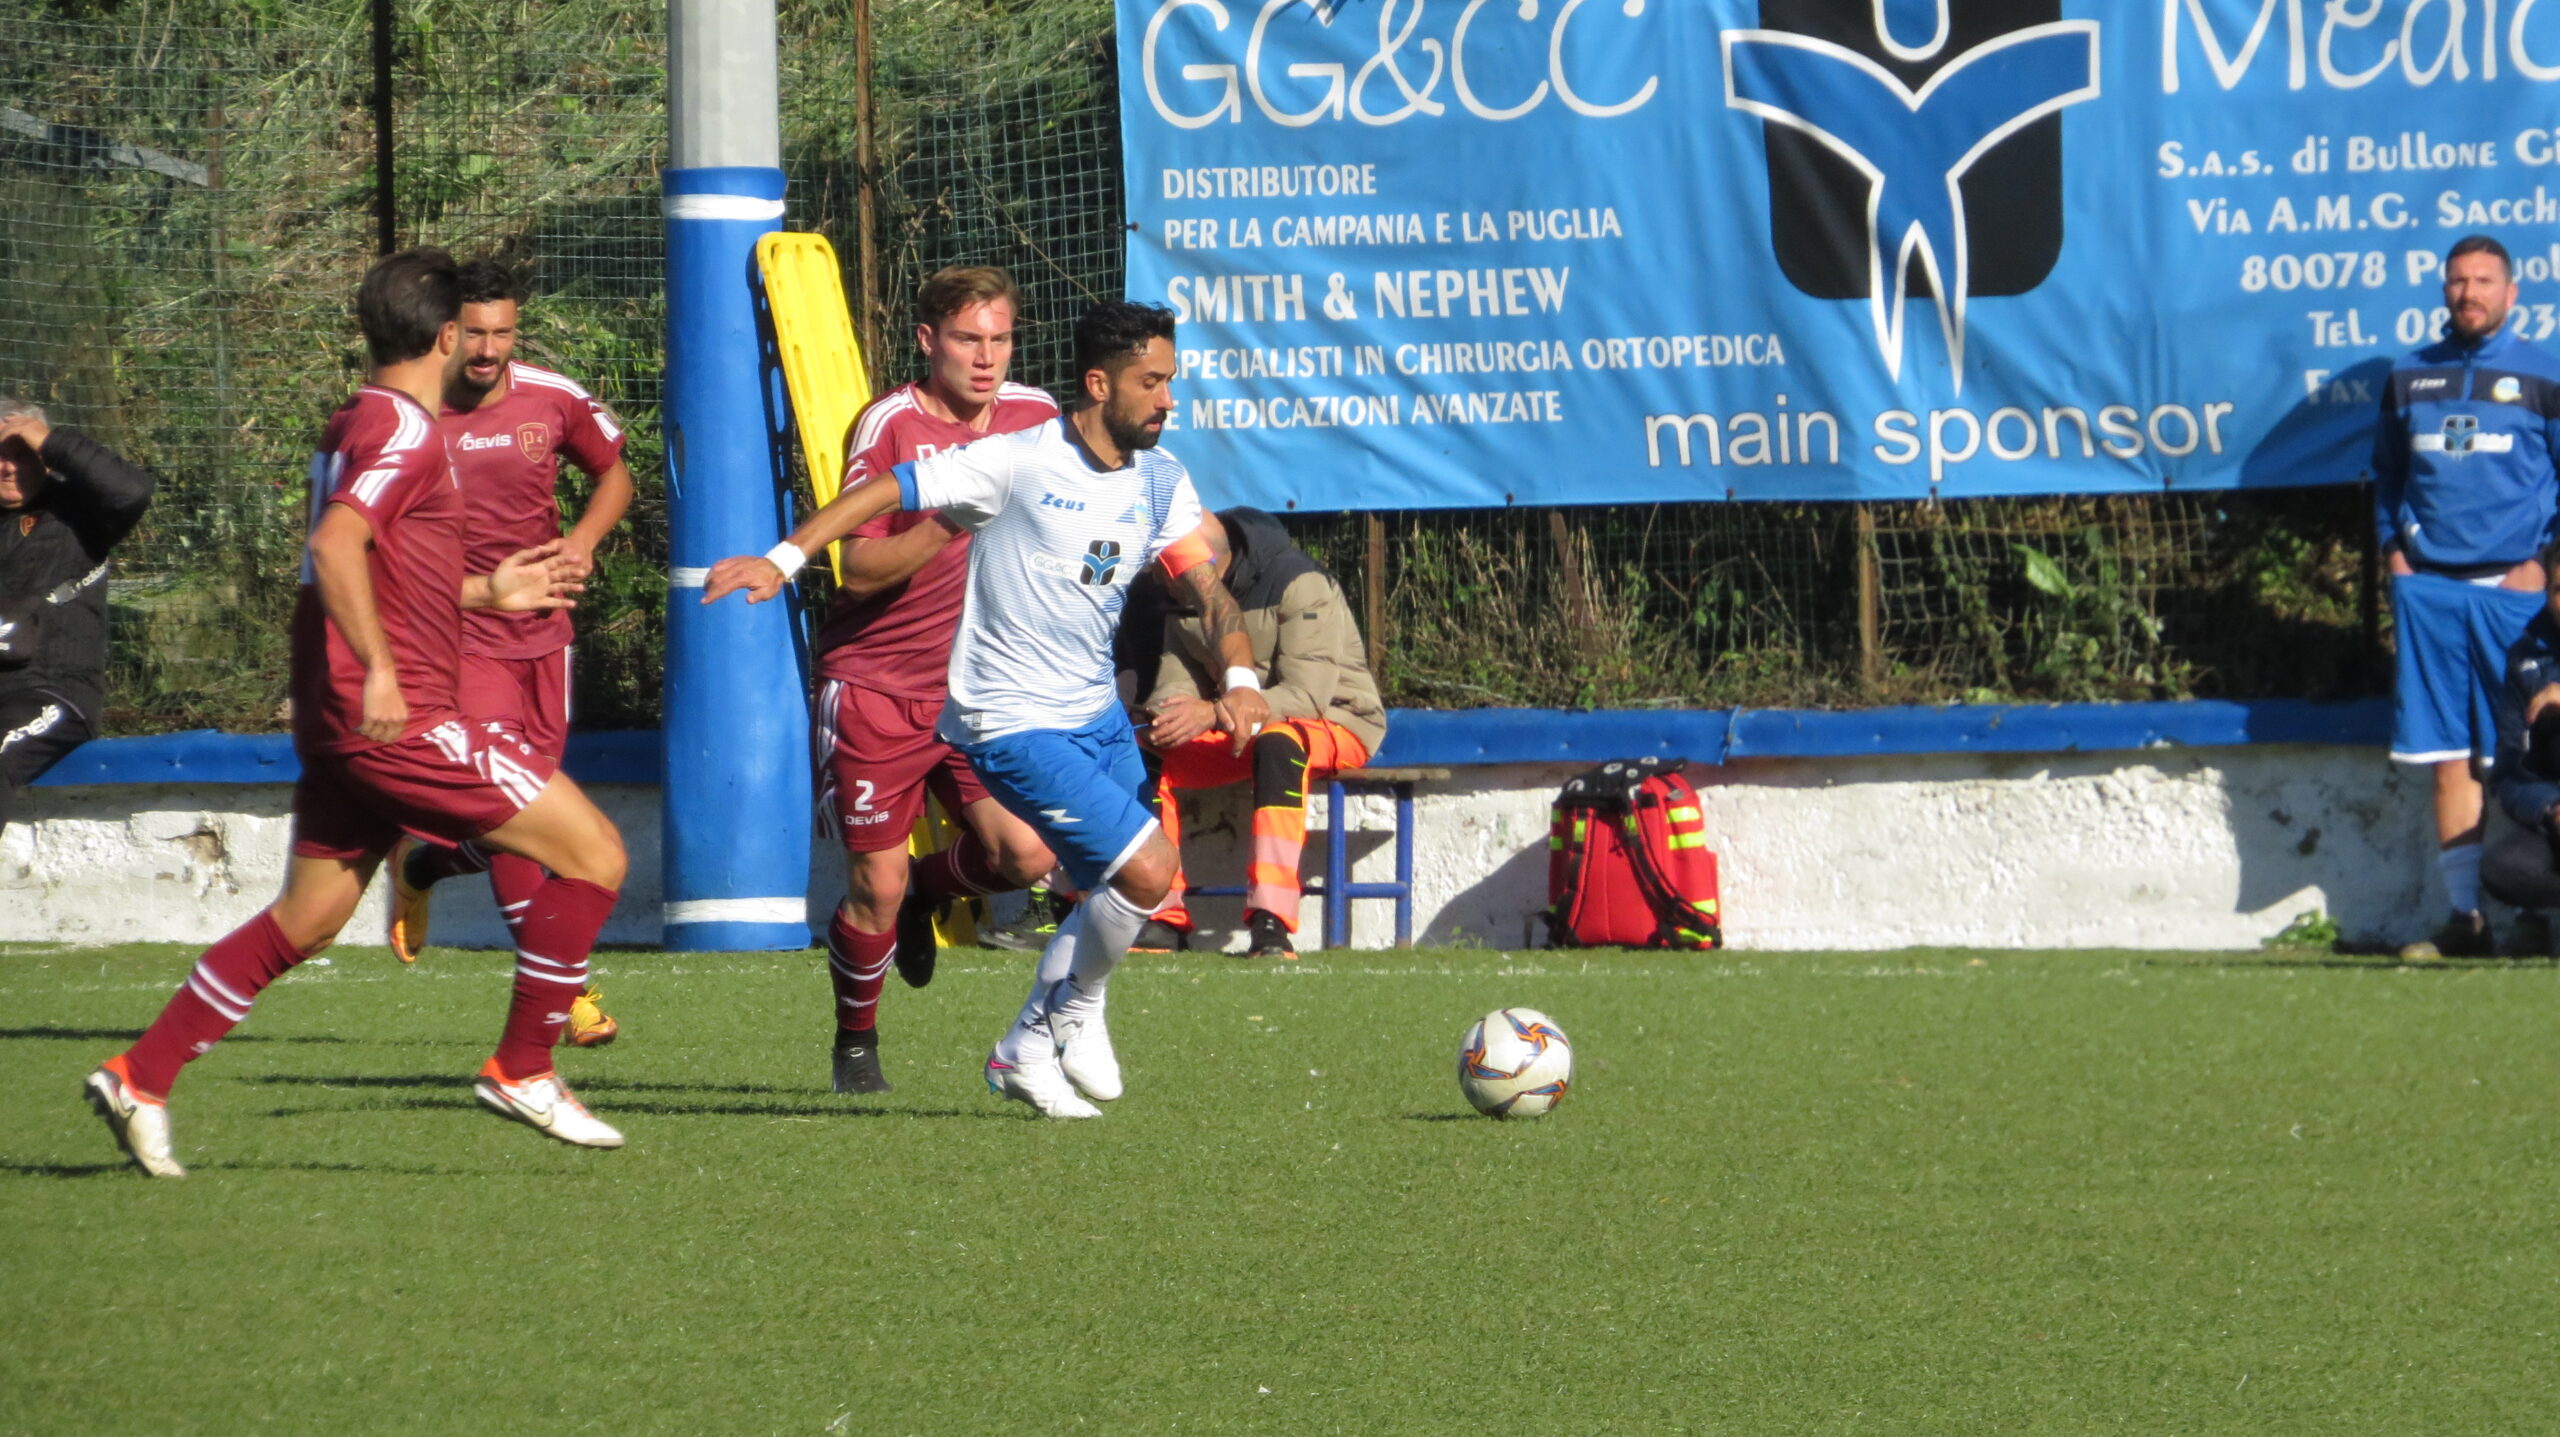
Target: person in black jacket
(65, 500)
(2521, 865)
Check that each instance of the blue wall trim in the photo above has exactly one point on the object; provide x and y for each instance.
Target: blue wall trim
(209, 756)
(1479, 736)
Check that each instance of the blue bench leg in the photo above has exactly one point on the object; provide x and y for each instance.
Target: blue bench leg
(1337, 868)
(1404, 865)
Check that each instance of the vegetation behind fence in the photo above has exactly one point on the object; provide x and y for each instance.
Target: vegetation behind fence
(188, 193)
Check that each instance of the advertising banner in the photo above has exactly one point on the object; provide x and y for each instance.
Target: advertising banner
(1434, 253)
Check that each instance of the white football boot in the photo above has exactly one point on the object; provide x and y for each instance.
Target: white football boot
(546, 1105)
(1033, 1076)
(1084, 1043)
(140, 1126)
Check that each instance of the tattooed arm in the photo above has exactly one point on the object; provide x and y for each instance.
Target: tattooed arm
(1241, 710)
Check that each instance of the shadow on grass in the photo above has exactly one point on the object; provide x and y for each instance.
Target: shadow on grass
(620, 1112)
(64, 1170)
(1443, 1117)
(127, 1035)
(2355, 962)
(614, 1106)
(97, 1170)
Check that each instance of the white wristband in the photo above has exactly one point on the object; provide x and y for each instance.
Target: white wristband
(1243, 679)
(787, 557)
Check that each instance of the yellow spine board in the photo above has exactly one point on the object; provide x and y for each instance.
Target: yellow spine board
(813, 330)
(935, 831)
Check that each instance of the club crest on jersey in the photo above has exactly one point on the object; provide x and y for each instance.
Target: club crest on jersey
(1102, 561)
(533, 441)
(2507, 390)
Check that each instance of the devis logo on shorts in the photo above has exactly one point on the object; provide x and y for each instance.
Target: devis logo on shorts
(1914, 147)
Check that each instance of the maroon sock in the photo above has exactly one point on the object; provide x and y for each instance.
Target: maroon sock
(858, 965)
(964, 870)
(515, 880)
(553, 939)
(433, 863)
(216, 995)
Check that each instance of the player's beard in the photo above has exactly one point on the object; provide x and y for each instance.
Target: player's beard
(1131, 434)
(466, 387)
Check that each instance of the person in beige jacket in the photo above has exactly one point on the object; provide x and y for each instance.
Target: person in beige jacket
(1325, 716)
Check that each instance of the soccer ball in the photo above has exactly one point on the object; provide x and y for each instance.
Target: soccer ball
(1515, 1063)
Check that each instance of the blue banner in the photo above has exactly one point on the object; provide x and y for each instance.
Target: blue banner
(1433, 253)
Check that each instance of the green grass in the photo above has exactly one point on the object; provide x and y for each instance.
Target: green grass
(1791, 1193)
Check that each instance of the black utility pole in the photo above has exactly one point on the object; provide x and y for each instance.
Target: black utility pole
(386, 226)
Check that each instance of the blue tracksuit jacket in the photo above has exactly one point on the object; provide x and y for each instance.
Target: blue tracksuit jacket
(2463, 460)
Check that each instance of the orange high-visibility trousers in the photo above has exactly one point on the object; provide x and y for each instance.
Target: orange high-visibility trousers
(1277, 762)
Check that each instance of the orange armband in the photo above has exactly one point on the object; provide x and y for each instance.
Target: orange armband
(1185, 554)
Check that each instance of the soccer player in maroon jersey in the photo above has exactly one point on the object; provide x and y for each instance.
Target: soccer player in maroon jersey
(377, 650)
(509, 424)
(883, 657)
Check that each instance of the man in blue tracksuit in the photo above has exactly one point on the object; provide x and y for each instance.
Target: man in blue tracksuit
(2465, 497)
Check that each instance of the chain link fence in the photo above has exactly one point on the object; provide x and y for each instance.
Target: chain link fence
(191, 195)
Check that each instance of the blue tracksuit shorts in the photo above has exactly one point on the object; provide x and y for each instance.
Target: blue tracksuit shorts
(2453, 642)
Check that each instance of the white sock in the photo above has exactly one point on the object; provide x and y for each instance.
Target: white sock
(2461, 869)
(1055, 961)
(1076, 966)
(1111, 925)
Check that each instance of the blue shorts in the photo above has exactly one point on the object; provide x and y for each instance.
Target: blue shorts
(1082, 790)
(2453, 639)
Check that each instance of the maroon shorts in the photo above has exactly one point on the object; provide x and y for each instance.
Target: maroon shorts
(876, 758)
(448, 785)
(530, 694)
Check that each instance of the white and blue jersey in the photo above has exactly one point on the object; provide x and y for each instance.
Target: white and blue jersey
(2464, 457)
(1056, 544)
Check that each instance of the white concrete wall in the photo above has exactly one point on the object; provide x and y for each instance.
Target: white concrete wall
(2171, 848)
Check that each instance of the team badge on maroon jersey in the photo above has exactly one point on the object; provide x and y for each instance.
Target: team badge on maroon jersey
(533, 441)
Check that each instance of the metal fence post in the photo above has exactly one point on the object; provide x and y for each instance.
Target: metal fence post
(870, 292)
(1870, 606)
(385, 217)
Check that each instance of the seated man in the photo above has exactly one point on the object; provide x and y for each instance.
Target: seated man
(1325, 716)
(2521, 865)
(65, 501)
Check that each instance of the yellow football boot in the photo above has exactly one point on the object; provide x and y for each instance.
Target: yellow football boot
(589, 1026)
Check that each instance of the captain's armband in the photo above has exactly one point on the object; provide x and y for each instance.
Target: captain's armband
(1186, 554)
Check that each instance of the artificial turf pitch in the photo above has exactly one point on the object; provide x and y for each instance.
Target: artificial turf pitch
(1789, 1193)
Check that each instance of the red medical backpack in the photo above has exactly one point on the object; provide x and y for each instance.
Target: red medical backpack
(1628, 864)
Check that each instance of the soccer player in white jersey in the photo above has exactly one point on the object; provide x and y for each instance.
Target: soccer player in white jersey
(1064, 516)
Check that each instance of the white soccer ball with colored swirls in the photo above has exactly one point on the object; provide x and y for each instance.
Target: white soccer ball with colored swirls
(1515, 1063)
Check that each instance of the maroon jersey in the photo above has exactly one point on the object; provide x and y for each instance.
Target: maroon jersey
(898, 641)
(507, 452)
(383, 457)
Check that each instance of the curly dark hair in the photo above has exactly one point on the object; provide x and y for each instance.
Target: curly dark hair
(1114, 331)
(486, 281)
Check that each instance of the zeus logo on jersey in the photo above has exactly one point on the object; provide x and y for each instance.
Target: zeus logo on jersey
(1052, 501)
(2461, 438)
(1935, 120)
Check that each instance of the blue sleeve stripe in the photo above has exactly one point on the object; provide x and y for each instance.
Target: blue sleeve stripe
(906, 485)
